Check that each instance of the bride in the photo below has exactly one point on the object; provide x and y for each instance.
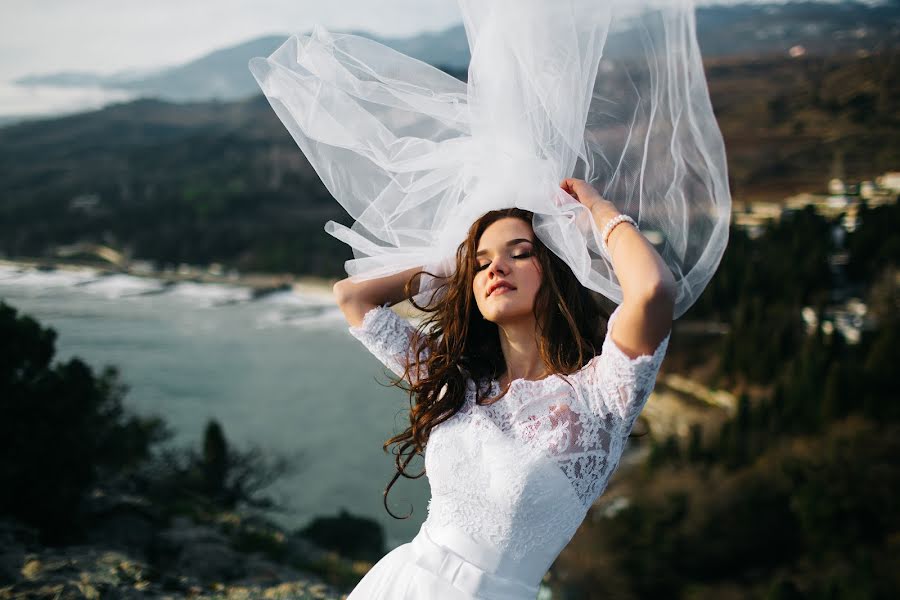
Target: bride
(515, 460)
(476, 200)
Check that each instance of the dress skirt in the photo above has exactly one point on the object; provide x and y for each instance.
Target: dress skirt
(428, 569)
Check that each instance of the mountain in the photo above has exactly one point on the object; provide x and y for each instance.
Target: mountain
(821, 28)
(733, 30)
(223, 74)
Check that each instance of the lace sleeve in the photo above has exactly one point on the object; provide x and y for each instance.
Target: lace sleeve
(613, 383)
(387, 336)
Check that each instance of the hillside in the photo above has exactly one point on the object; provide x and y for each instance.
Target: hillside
(785, 120)
(225, 182)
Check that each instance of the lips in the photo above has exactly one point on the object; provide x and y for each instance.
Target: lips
(499, 285)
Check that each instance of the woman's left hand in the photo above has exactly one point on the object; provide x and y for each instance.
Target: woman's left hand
(601, 208)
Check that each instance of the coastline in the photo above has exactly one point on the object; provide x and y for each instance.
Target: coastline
(260, 282)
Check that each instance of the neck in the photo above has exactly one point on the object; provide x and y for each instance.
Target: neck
(518, 341)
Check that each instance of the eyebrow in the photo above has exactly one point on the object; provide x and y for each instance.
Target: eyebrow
(508, 244)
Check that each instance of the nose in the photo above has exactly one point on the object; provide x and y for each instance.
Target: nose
(498, 267)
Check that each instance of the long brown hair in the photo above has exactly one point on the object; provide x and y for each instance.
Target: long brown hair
(462, 345)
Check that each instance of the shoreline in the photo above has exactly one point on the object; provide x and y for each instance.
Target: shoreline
(260, 282)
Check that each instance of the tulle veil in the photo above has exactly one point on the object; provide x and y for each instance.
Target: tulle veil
(610, 91)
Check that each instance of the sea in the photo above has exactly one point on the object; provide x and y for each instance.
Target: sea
(279, 372)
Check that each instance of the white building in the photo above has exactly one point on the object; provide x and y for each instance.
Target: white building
(866, 190)
(889, 181)
(836, 187)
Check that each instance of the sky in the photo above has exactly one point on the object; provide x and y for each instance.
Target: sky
(39, 37)
(105, 36)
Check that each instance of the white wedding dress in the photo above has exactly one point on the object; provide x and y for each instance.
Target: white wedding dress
(510, 482)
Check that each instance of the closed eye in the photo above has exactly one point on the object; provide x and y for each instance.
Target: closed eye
(527, 254)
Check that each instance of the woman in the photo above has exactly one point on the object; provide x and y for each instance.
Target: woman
(521, 422)
(522, 415)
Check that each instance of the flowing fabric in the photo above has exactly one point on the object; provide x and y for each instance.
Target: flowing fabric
(612, 92)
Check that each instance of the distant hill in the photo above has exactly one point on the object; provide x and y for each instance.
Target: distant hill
(9, 119)
(822, 28)
(224, 74)
(723, 31)
(173, 182)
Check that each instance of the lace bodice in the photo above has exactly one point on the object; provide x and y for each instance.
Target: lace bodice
(521, 473)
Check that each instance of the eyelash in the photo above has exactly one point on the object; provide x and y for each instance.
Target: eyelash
(525, 255)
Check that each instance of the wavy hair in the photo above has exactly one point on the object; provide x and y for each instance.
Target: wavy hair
(462, 345)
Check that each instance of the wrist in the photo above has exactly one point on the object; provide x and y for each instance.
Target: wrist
(607, 233)
(603, 214)
(611, 235)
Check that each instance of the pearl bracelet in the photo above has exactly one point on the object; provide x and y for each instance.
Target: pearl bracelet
(607, 229)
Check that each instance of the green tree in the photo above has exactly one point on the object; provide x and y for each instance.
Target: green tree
(215, 458)
(63, 428)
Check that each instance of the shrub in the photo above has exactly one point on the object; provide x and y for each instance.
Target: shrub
(63, 427)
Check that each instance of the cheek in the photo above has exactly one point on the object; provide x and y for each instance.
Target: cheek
(477, 285)
(478, 290)
(536, 276)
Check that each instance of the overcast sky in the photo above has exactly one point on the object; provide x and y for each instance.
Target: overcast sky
(104, 36)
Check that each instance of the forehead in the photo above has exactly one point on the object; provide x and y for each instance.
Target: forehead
(499, 232)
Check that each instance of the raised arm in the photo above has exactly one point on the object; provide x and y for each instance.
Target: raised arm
(355, 299)
(648, 287)
(384, 333)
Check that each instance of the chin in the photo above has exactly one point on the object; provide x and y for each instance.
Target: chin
(505, 314)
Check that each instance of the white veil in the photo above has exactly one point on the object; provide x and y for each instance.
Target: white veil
(609, 91)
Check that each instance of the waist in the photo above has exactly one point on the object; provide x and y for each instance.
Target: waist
(471, 567)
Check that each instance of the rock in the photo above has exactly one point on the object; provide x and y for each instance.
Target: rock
(89, 571)
(80, 572)
(301, 551)
(359, 538)
(12, 559)
(259, 570)
(13, 538)
(13, 531)
(186, 559)
(126, 529)
(198, 551)
(210, 561)
(116, 518)
(185, 532)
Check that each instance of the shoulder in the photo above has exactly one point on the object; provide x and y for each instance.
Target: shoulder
(616, 381)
